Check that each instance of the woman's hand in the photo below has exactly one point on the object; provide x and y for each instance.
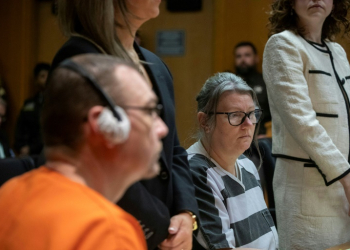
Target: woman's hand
(345, 181)
(180, 233)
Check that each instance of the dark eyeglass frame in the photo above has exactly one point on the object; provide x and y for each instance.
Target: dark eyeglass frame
(150, 110)
(246, 115)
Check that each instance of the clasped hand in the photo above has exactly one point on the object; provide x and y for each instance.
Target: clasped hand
(180, 233)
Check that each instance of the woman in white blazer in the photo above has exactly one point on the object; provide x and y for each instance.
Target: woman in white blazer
(308, 83)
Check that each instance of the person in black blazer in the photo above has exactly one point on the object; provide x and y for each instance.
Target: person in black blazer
(5, 150)
(166, 205)
(5, 144)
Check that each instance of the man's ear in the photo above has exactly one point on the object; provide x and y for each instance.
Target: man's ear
(92, 127)
(92, 117)
(203, 121)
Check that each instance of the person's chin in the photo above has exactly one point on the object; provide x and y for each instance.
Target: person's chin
(156, 14)
(245, 143)
(155, 11)
(152, 172)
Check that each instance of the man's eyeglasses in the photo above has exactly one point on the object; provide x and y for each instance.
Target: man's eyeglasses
(152, 111)
(238, 117)
(149, 110)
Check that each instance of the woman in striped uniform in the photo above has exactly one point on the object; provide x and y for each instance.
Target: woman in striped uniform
(232, 209)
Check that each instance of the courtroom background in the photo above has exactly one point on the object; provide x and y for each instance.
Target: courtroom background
(30, 34)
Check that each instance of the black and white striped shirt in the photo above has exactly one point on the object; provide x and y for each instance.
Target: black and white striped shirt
(232, 212)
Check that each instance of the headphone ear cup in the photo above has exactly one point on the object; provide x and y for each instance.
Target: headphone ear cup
(115, 131)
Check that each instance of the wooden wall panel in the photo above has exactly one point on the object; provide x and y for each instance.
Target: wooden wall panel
(236, 21)
(30, 34)
(191, 70)
(50, 38)
(17, 53)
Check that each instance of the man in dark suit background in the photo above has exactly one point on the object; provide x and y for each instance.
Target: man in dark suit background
(246, 62)
(5, 150)
(28, 139)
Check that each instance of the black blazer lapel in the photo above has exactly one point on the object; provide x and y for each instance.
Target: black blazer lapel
(159, 79)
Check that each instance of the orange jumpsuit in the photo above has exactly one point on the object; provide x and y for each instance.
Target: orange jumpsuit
(42, 209)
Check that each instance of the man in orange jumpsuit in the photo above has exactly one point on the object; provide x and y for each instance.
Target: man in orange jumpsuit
(96, 145)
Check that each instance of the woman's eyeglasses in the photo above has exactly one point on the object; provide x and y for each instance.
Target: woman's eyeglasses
(238, 117)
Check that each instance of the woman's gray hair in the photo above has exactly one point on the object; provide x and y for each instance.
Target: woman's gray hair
(209, 96)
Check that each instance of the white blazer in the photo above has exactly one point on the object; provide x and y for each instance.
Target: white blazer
(308, 87)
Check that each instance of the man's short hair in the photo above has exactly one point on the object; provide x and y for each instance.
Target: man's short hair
(39, 67)
(243, 44)
(69, 97)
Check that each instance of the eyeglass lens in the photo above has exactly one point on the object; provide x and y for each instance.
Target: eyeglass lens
(157, 110)
(237, 118)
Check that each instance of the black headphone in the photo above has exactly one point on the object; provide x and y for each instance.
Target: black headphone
(113, 121)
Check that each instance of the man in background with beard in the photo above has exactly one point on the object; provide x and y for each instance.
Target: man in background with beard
(246, 61)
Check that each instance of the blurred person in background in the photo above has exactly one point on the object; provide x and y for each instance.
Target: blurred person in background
(28, 140)
(246, 66)
(5, 150)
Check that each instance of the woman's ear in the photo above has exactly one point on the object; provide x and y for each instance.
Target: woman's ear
(203, 121)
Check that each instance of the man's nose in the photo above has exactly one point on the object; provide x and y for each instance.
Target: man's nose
(162, 128)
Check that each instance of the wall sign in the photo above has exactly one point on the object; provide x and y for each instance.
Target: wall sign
(170, 43)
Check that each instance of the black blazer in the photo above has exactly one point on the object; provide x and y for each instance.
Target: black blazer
(154, 201)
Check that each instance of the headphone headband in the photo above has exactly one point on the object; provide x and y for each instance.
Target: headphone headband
(70, 64)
